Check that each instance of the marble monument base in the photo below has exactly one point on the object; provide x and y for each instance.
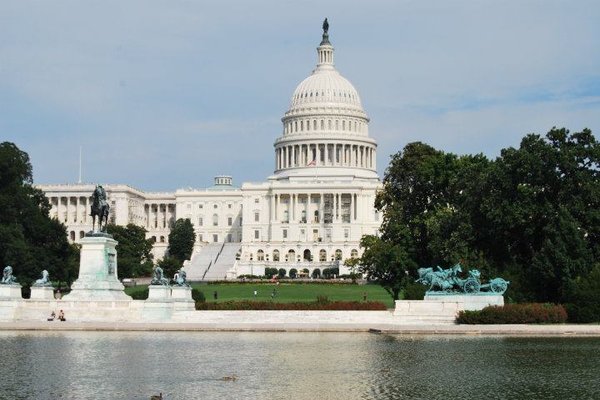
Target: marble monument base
(470, 302)
(182, 298)
(42, 293)
(10, 292)
(97, 271)
(159, 293)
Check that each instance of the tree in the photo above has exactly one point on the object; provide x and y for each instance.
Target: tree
(30, 241)
(134, 250)
(169, 265)
(181, 240)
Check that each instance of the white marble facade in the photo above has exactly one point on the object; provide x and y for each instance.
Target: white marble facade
(311, 213)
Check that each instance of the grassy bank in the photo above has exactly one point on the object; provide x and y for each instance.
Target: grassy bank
(288, 292)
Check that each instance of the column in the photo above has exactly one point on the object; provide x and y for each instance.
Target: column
(326, 154)
(321, 207)
(271, 207)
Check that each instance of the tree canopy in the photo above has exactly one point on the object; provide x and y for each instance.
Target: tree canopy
(134, 251)
(181, 240)
(532, 215)
(30, 241)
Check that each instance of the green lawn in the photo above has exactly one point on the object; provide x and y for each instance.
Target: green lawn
(289, 292)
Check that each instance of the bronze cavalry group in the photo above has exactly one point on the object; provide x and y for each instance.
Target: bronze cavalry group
(448, 281)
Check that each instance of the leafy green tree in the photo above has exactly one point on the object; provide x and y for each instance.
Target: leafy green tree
(181, 240)
(134, 250)
(169, 265)
(30, 241)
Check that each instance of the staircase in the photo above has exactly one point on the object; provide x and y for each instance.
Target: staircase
(202, 261)
(222, 263)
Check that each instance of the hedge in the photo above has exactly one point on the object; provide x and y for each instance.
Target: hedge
(533, 313)
(316, 305)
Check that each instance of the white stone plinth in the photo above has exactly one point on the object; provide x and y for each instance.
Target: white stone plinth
(159, 293)
(426, 311)
(182, 298)
(97, 271)
(11, 292)
(470, 302)
(42, 293)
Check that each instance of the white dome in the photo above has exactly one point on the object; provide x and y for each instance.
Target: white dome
(325, 87)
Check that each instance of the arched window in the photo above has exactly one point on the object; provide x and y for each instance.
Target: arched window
(338, 254)
(291, 256)
(215, 219)
(307, 255)
(286, 216)
(81, 234)
(303, 216)
(260, 255)
(322, 255)
(354, 253)
(275, 255)
(72, 235)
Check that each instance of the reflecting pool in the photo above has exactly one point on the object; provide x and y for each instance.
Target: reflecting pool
(253, 365)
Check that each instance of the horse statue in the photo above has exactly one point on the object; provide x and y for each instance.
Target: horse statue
(100, 208)
(7, 276)
(444, 279)
(44, 280)
(180, 278)
(158, 277)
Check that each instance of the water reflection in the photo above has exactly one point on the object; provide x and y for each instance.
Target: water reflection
(188, 365)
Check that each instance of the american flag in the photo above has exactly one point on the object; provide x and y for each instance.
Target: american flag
(312, 163)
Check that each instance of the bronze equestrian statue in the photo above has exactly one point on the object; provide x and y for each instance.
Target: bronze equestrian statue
(100, 208)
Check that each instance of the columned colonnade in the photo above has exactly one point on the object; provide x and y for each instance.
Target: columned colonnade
(159, 215)
(319, 207)
(325, 154)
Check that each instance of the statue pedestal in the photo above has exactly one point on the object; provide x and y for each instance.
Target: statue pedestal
(470, 302)
(97, 271)
(159, 293)
(182, 298)
(42, 293)
(10, 292)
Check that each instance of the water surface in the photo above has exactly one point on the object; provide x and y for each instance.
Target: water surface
(191, 365)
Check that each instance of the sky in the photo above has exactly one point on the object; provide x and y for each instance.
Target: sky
(162, 95)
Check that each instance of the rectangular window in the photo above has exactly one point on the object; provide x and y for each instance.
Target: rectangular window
(229, 237)
(200, 221)
(256, 201)
(285, 233)
(346, 233)
(256, 217)
(256, 234)
(229, 221)
(229, 205)
(200, 239)
(215, 238)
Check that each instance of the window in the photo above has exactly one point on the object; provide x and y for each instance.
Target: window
(346, 233)
(229, 205)
(286, 216)
(285, 233)
(229, 238)
(162, 239)
(256, 217)
(322, 255)
(229, 221)
(215, 219)
(338, 254)
(275, 255)
(256, 200)
(260, 255)
(215, 238)
(354, 253)
(200, 221)
(200, 206)
(256, 234)
(200, 238)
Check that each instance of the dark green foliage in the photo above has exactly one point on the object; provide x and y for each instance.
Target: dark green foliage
(29, 240)
(140, 293)
(583, 297)
(531, 216)
(134, 250)
(270, 272)
(293, 272)
(270, 305)
(535, 313)
(281, 273)
(316, 273)
(198, 295)
(414, 291)
(181, 240)
(169, 265)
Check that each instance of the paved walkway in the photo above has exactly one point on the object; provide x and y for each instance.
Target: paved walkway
(506, 330)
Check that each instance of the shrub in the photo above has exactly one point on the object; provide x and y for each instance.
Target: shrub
(414, 291)
(329, 273)
(197, 295)
(296, 306)
(140, 294)
(316, 273)
(281, 273)
(270, 272)
(293, 273)
(533, 313)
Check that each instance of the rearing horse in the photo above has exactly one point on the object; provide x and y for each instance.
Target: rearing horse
(100, 208)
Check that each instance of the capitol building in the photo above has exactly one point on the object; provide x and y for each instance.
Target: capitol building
(308, 215)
